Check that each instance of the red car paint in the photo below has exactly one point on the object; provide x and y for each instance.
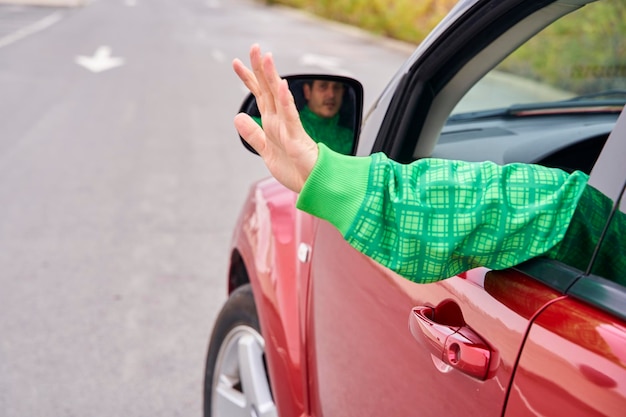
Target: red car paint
(344, 336)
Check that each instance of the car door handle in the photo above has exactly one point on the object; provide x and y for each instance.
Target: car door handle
(443, 332)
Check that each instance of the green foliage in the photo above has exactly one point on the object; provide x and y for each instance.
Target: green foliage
(577, 53)
(583, 52)
(406, 20)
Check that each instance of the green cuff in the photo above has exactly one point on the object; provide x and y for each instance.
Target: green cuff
(336, 187)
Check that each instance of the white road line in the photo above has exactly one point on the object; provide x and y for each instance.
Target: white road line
(31, 29)
(327, 63)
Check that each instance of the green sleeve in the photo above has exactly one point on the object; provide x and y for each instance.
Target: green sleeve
(588, 224)
(336, 188)
(435, 218)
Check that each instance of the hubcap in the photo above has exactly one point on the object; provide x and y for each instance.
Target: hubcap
(240, 383)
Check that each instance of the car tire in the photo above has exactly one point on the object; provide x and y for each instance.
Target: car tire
(236, 382)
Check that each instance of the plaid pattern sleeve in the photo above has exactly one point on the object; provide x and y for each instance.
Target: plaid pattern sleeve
(587, 225)
(435, 218)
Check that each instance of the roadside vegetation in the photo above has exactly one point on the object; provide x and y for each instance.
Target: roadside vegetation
(584, 52)
(406, 20)
(599, 30)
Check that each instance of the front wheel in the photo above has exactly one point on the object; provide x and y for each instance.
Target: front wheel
(236, 383)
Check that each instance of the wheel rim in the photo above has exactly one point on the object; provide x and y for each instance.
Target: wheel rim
(240, 383)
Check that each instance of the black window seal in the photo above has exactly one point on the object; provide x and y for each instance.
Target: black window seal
(554, 274)
(601, 293)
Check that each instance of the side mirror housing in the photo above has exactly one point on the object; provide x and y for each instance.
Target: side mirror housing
(330, 106)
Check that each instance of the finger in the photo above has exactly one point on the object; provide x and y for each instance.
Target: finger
(287, 111)
(286, 104)
(246, 76)
(265, 97)
(284, 101)
(272, 78)
(251, 132)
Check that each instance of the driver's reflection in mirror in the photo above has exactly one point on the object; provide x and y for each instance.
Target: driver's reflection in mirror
(320, 114)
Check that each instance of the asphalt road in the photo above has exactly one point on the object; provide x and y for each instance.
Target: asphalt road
(121, 177)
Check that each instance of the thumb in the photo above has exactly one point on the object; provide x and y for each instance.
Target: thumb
(250, 131)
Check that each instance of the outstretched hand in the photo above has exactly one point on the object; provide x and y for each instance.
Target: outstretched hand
(287, 150)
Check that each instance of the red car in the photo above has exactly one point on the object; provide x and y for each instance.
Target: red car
(314, 328)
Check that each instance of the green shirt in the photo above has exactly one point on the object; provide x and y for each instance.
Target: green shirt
(324, 130)
(327, 131)
(435, 218)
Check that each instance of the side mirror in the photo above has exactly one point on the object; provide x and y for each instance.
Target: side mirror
(330, 106)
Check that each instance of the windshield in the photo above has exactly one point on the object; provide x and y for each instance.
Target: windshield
(576, 64)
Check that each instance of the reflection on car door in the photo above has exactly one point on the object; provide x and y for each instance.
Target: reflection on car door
(365, 360)
(572, 364)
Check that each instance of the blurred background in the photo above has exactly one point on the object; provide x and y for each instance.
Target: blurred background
(121, 177)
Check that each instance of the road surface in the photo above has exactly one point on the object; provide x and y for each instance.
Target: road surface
(121, 177)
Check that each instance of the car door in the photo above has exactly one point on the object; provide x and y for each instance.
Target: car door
(378, 344)
(370, 355)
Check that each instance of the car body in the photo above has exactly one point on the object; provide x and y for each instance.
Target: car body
(313, 327)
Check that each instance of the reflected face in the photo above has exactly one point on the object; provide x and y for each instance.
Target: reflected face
(324, 97)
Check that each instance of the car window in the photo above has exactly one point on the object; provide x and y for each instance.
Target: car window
(578, 59)
(552, 101)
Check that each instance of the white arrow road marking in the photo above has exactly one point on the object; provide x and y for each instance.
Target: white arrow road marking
(325, 62)
(131, 3)
(100, 61)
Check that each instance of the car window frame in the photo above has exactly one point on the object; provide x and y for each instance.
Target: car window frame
(442, 74)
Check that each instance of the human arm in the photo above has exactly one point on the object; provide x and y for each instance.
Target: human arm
(435, 218)
(428, 220)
